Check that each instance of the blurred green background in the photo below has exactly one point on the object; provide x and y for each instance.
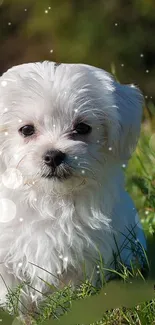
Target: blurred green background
(103, 33)
(118, 36)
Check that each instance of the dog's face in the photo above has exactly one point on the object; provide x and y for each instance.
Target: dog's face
(65, 123)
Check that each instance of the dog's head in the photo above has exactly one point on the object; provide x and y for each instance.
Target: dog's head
(66, 123)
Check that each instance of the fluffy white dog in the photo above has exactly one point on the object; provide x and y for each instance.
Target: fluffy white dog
(65, 132)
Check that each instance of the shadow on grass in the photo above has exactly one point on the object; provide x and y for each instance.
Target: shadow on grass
(151, 255)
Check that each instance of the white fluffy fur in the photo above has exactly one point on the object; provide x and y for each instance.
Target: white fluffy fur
(65, 223)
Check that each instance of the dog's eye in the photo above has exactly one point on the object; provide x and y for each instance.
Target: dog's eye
(82, 128)
(27, 130)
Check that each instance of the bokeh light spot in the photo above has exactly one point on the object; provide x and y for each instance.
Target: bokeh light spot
(4, 83)
(7, 210)
(12, 178)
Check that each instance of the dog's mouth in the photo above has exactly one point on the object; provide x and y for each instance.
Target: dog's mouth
(58, 173)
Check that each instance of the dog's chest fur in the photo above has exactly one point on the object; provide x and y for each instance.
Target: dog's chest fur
(60, 235)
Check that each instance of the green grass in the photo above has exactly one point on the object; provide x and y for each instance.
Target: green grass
(140, 183)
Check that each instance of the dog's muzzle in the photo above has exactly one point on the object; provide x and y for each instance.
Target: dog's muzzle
(57, 168)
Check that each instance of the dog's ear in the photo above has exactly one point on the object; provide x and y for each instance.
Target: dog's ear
(122, 115)
(129, 102)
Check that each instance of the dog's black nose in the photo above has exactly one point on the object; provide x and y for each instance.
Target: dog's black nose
(54, 158)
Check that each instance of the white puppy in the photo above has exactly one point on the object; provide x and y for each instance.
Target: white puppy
(65, 132)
